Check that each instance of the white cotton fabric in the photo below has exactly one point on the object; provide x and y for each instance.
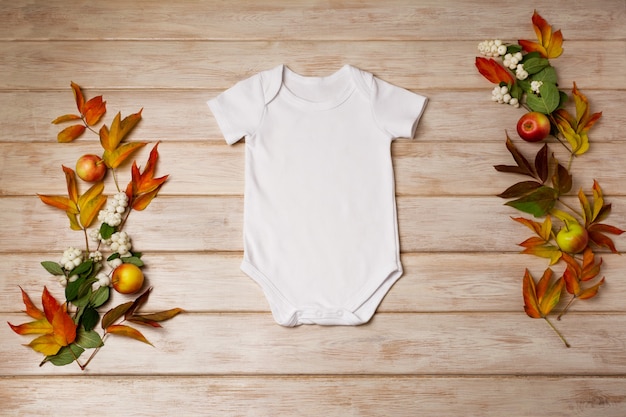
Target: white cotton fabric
(320, 226)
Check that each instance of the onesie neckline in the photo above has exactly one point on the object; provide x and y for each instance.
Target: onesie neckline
(314, 82)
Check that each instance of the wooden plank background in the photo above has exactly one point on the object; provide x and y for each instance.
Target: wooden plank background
(450, 338)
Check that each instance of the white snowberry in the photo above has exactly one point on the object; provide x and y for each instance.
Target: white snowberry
(536, 85)
(114, 263)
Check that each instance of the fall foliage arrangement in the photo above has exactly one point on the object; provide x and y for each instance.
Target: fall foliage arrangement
(564, 233)
(67, 329)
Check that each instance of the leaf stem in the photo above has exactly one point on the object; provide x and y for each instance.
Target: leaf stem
(115, 179)
(94, 352)
(569, 303)
(557, 332)
(572, 209)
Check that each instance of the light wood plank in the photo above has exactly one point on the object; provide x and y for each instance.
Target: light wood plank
(315, 396)
(427, 224)
(400, 344)
(184, 65)
(208, 168)
(173, 115)
(304, 20)
(432, 282)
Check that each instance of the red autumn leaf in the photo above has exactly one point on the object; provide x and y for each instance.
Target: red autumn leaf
(31, 309)
(549, 45)
(493, 71)
(54, 324)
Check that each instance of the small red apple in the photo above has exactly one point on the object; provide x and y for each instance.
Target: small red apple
(572, 238)
(533, 126)
(90, 168)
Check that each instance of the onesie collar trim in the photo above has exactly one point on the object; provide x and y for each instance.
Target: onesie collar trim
(343, 93)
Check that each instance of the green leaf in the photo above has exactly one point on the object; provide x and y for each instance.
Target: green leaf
(533, 65)
(65, 356)
(84, 300)
(106, 231)
(73, 288)
(53, 267)
(90, 318)
(538, 203)
(84, 268)
(115, 313)
(547, 75)
(513, 49)
(133, 260)
(547, 101)
(88, 339)
(100, 297)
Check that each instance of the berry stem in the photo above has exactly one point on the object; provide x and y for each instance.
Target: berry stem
(86, 240)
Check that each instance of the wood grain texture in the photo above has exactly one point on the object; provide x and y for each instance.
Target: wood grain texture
(449, 339)
(329, 395)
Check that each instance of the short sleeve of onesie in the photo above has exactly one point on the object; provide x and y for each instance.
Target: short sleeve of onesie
(320, 231)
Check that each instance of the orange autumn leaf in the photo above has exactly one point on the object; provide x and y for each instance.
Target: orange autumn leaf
(59, 202)
(116, 157)
(93, 110)
(56, 327)
(575, 128)
(78, 96)
(540, 299)
(127, 331)
(86, 206)
(143, 187)
(70, 133)
(493, 71)
(540, 245)
(576, 274)
(65, 118)
(549, 44)
(593, 213)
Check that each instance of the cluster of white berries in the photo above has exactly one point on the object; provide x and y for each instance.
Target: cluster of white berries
(103, 280)
(512, 60)
(72, 257)
(535, 86)
(492, 48)
(520, 72)
(115, 208)
(120, 243)
(502, 95)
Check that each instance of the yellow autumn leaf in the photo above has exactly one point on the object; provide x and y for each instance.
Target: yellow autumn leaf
(110, 138)
(90, 204)
(117, 156)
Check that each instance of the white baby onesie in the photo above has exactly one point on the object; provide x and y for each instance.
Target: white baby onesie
(320, 226)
